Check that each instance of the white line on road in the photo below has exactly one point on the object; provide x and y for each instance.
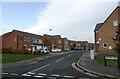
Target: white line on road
(14, 74)
(26, 75)
(31, 73)
(69, 76)
(52, 77)
(59, 59)
(42, 74)
(40, 68)
(55, 75)
(4, 73)
(38, 76)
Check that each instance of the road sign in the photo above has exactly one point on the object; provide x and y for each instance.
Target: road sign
(111, 57)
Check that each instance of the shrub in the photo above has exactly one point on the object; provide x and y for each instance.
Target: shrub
(7, 50)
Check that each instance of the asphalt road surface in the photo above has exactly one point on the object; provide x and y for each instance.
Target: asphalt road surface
(58, 67)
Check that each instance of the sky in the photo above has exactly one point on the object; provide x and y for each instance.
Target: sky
(74, 19)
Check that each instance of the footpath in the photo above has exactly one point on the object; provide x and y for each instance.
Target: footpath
(31, 61)
(90, 66)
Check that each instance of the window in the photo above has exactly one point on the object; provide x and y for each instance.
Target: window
(115, 23)
(59, 41)
(39, 41)
(25, 38)
(25, 46)
(104, 45)
(34, 40)
(28, 39)
(15, 39)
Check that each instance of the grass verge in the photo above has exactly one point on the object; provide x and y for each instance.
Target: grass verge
(7, 58)
(110, 63)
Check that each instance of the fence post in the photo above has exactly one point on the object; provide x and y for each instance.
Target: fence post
(118, 62)
(105, 61)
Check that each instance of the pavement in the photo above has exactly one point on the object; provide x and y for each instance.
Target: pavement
(85, 64)
(31, 61)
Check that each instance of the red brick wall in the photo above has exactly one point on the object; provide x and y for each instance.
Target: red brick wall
(10, 41)
(107, 32)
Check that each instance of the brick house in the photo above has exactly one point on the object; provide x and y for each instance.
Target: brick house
(105, 32)
(20, 41)
(66, 45)
(72, 44)
(79, 45)
(83, 45)
(91, 46)
(52, 42)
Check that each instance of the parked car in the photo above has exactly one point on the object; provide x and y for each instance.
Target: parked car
(46, 51)
(56, 50)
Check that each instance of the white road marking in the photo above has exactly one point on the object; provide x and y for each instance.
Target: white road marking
(42, 74)
(69, 76)
(55, 75)
(68, 55)
(26, 75)
(31, 73)
(38, 76)
(5, 73)
(14, 74)
(59, 59)
(52, 77)
(40, 68)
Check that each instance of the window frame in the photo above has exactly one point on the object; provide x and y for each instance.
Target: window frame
(115, 22)
(105, 46)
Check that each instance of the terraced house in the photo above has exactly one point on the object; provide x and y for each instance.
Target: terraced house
(52, 41)
(20, 42)
(105, 32)
(66, 45)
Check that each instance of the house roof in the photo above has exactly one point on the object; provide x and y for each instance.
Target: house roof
(53, 37)
(56, 36)
(83, 42)
(28, 34)
(100, 24)
(98, 27)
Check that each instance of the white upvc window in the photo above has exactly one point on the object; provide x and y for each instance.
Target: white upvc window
(105, 45)
(24, 46)
(34, 40)
(28, 39)
(15, 39)
(115, 23)
(25, 38)
(39, 41)
(59, 41)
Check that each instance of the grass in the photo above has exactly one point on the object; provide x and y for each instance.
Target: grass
(7, 58)
(110, 63)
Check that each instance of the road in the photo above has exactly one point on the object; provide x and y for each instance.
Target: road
(57, 67)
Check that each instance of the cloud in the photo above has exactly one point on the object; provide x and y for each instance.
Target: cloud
(75, 20)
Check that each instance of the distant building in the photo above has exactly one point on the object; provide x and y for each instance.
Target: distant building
(20, 41)
(91, 46)
(79, 45)
(105, 32)
(66, 45)
(84, 45)
(52, 42)
(72, 44)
